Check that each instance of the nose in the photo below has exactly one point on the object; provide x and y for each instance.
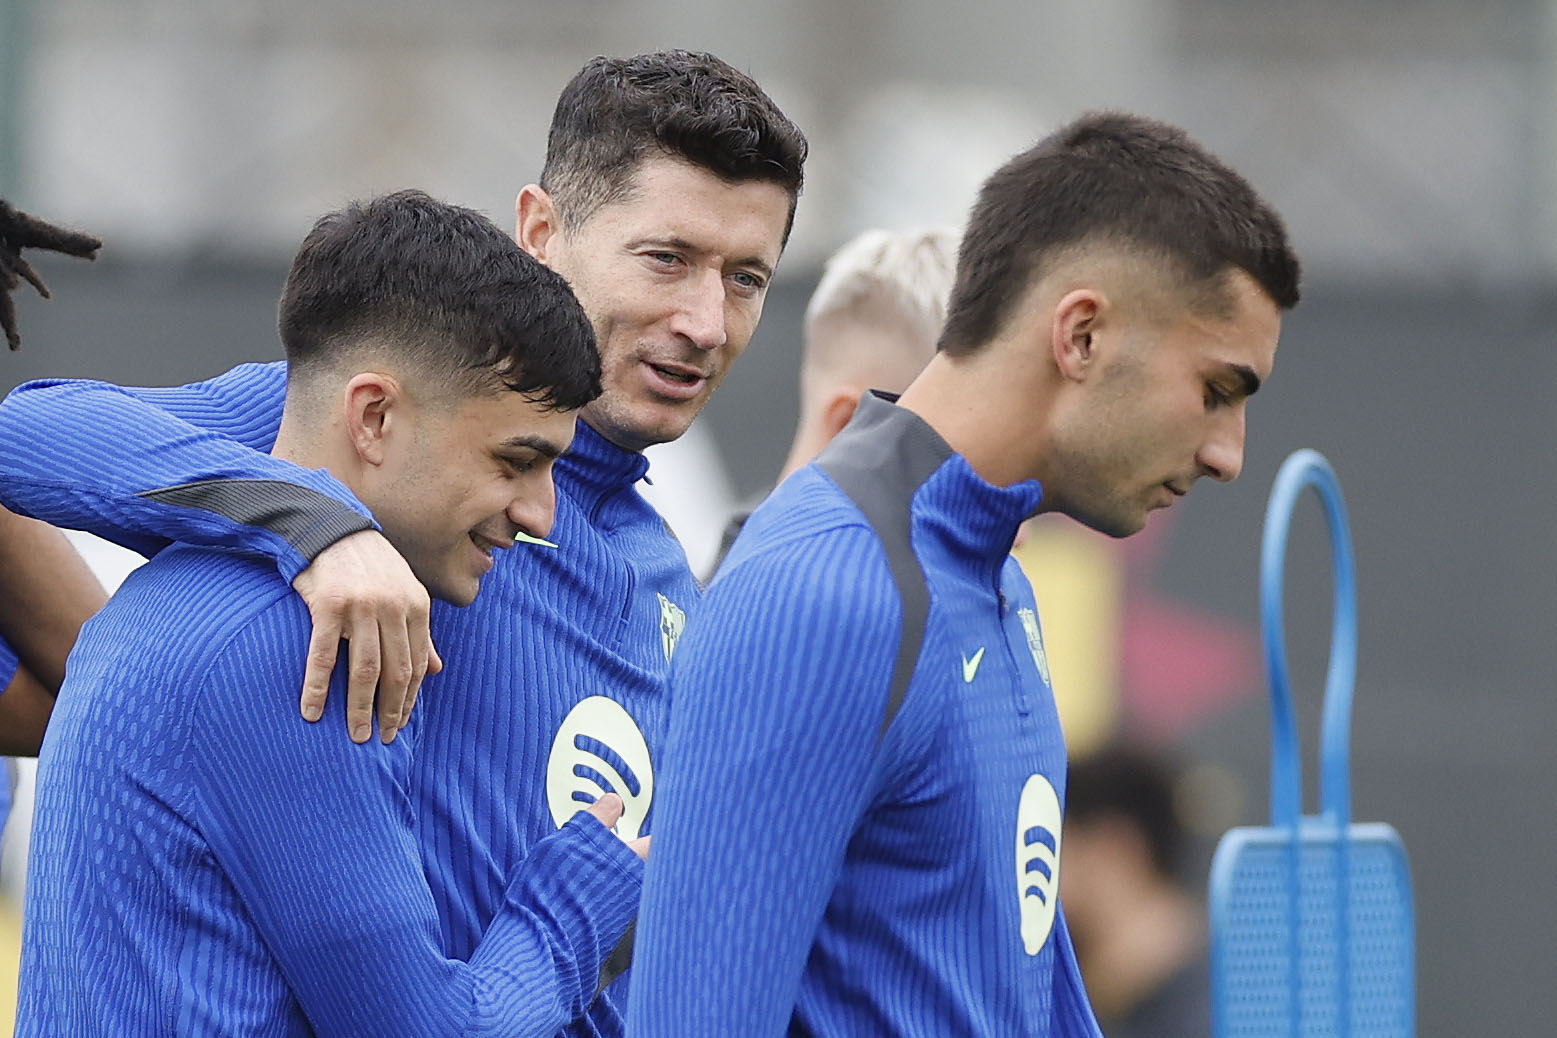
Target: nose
(534, 508)
(700, 313)
(1221, 457)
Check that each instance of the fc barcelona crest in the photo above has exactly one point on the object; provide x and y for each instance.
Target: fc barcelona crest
(672, 620)
(1035, 643)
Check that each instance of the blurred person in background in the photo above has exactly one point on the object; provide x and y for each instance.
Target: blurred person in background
(871, 323)
(666, 200)
(1140, 935)
(48, 591)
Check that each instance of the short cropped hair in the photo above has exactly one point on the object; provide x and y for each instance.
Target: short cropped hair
(443, 288)
(617, 112)
(1119, 180)
(903, 275)
(1135, 785)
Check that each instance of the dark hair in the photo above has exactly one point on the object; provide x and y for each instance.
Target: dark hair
(1129, 783)
(1116, 179)
(19, 231)
(444, 288)
(684, 104)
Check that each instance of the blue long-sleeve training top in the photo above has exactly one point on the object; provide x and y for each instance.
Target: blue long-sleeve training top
(553, 683)
(812, 873)
(204, 862)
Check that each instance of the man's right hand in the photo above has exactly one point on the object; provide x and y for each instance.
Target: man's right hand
(360, 589)
(608, 811)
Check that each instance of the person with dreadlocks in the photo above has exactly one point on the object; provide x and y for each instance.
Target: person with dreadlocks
(46, 590)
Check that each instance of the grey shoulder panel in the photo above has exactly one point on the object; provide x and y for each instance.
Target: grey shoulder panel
(307, 519)
(620, 960)
(879, 461)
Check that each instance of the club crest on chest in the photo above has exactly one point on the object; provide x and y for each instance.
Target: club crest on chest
(1035, 643)
(672, 621)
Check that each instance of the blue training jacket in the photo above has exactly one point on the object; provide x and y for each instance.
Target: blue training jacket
(553, 685)
(859, 828)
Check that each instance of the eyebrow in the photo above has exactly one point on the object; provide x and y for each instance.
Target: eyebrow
(539, 444)
(1251, 381)
(681, 244)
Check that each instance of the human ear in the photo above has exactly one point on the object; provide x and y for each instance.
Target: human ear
(840, 408)
(537, 224)
(373, 402)
(1073, 332)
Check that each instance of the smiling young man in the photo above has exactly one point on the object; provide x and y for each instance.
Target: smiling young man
(668, 192)
(866, 676)
(185, 876)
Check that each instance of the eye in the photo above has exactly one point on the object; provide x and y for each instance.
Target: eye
(519, 466)
(663, 259)
(1216, 396)
(748, 281)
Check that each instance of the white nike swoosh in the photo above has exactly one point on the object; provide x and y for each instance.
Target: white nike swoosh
(970, 667)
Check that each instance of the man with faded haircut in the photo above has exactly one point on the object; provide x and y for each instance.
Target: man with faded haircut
(204, 863)
(667, 196)
(867, 671)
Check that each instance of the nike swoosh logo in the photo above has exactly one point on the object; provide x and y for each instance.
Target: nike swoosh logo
(970, 667)
(523, 538)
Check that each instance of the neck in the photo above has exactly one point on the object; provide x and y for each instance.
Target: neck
(988, 408)
(316, 443)
(808, 443)
(602, 426)
(1150, 933)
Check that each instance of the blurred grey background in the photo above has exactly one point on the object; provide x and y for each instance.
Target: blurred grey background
(1411, 145)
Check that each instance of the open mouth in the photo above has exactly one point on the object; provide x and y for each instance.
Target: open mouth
(678, 376)
(485, 546)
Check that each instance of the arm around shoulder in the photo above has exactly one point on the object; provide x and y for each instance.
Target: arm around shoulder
(144, 467)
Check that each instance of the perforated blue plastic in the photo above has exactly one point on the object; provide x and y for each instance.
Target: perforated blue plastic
(1312, 926)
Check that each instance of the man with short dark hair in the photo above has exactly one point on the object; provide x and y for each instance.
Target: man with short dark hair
(554, 690)
(866, 676)
(178, 882)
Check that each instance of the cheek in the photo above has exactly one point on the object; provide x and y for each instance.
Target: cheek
(740, 324)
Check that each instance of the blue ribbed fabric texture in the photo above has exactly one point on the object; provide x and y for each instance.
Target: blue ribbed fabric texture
(554, 632)
(76, 454)
(8, 665)
(204, 862)
(554, 640)
(812, 876)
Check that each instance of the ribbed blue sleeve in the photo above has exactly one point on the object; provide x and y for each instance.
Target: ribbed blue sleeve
(777, 694)
(8, 664)
(317, 837)
(144, 467)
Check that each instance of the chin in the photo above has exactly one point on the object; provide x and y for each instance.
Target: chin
(1117, 526)
(654, 423)
(455, 592)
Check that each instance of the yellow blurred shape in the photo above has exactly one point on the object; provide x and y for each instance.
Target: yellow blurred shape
(1078, 580)
(10, 963)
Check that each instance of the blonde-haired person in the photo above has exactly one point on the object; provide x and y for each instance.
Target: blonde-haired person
(872, 323)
